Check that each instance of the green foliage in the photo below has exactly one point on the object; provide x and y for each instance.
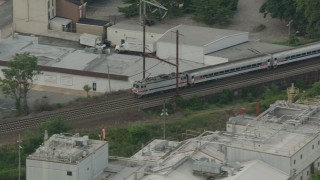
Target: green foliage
(270, 95)
(316, 176)
(207, 11)
(87, 88)
(18, 78)
(127, 141)
(31, 142)
(56, 125)
(303, 13)
(314, 90)
(213, 12)
(226, 97)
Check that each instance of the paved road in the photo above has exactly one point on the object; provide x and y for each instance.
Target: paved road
(6, 13)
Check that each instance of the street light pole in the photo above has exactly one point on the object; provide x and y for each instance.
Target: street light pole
(164, 114)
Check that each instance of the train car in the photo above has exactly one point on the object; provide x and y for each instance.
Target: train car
(228, 69)
(158, 84)
(296, 54)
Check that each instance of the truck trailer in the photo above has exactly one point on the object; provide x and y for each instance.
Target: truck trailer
(91, 40)
(134, 45)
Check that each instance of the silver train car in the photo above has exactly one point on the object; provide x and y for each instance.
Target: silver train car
(158, 83)
(193, 77)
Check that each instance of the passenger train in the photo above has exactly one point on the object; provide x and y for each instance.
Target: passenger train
(166, 82)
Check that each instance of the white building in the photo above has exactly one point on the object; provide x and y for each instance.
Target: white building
(196, 42)
(120, 32)
(280, 144)
(69, 158)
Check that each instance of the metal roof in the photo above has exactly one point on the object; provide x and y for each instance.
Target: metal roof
(61, 20)
(257, 169)
(197, 36)
(133, 27)
(248, 50)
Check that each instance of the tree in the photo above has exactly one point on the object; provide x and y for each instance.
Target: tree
(87, 88)
(310, 10)
(207, 11)
(18, 79)
(303, 13)
(56, 125)
(213, 12)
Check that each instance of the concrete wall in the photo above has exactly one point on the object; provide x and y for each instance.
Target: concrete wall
(62, 35)
(30, 16)
(70, 10)
(168, 50)
(226, 42)
(91, 29)
(302, 160)
(6, 31)
(238, 154)
(76, 82)
(39, 170)
(115, 35)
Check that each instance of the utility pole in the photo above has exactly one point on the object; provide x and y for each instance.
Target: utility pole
(177, 63)
(19, 147)
(144, 47)
(164, 114)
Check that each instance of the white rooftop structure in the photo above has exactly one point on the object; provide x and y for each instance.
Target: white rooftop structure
(281, 143)
(68, 157)
(196, 42)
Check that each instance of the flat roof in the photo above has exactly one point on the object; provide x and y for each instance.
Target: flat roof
(198, 36)
(134, 27)
(94, 22)
(66, 149)
(61, 20)
(248, 50)
(281, 130)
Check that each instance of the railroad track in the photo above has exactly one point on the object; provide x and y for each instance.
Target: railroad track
(156, 100)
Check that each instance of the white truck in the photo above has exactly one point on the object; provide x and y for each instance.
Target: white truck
(91, 41)
(134, 45)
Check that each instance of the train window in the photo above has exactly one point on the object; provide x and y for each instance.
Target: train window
(303, 54)
(237, 69)
(313, 52)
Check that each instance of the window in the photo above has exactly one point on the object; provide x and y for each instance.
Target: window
(312, 146)
(307, 172)
(301, 156)
(69, 173)
(300, 177)
(294, 161)
(318, 164)
(94, 86)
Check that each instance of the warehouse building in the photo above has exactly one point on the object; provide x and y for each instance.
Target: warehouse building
(196, 42)
(68, 157)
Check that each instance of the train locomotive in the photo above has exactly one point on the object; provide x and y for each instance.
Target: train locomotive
(166, 82)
